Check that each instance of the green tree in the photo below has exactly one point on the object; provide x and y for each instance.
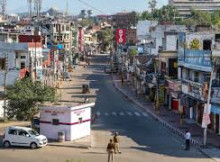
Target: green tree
(24, 97)
(145, 16)
(199, 18)
(195, 44)
(132, 53)
(106, 37)
(86, 22)
(166, 13)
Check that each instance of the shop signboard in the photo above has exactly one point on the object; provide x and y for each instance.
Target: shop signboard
(206, 116)
(198, 59)
(174, 85)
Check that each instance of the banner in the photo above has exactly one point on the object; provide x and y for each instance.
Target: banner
(121, 36)
(206, 116)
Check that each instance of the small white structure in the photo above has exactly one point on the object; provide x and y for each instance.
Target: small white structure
(75, 121)
(1, 108)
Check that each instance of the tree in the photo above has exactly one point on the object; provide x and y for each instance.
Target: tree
(24, 97)
(195, 44)
(145, 16)
(86, 22)
(199, 18)
(166, 13)
(106, 37)
(132, 53)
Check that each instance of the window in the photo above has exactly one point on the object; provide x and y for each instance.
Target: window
(12, 132)
(55, 122)
(207, 44)
(2, 63)
(196, 77)
(217, 38)
(23, 57)
(80, 120)
(22, 133)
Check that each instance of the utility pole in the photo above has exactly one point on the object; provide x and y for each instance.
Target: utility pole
(5, 81)
(206, 109)
(35, 62)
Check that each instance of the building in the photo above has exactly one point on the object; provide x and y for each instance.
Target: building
(131, 36)
(184, 7)
(124, 20)
(16, 59)
(195, 67)
(163, 37)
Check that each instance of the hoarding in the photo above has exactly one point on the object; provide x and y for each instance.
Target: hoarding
(121, 36)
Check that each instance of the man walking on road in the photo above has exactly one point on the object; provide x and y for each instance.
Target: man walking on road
(116, 142)
(187, 137)
(110, 149)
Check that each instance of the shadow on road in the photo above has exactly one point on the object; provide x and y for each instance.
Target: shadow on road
(146, 132)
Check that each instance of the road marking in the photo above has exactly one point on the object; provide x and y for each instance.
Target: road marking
(129, 113)
(145, 114)
(137, 114)
(121, 113)
(106, 114)
(114, 113)
(98, 113)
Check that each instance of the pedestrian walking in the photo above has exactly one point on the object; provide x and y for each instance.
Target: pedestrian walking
(110, 149)
(116, 142)
(187, 137)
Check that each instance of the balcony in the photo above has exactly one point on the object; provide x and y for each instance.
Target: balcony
(195, 90)
(215, 83)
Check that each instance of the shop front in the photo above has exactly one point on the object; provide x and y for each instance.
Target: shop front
(173, 90)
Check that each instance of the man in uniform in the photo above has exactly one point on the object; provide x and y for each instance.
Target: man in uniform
(110, 149)
(116, 142)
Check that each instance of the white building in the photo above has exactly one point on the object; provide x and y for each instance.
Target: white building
(164, 37)
(74, 121)
(17, 58)
(143, 30)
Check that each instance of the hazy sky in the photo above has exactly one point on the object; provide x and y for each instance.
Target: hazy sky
(106, 6)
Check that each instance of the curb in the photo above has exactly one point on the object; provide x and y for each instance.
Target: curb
(164, 123)
(69, 145)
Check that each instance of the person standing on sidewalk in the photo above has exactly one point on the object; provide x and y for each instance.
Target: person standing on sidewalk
(187, 137)
(116, 142)
(110, 149)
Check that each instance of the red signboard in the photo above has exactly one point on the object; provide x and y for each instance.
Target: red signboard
(121, 36)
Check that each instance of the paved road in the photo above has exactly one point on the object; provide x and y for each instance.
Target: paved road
(142, 138)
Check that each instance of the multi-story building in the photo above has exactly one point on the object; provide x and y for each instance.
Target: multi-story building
(124, 20)
(184, 7)
(16, 59)
(195, 68)
(60, 33)
(131, 36)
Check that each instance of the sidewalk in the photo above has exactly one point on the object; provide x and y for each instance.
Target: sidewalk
(171, 120)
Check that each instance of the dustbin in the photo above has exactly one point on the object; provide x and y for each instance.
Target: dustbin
(61, 136)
